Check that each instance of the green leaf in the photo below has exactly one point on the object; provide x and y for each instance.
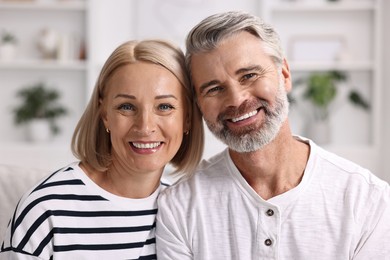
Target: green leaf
(38, 101)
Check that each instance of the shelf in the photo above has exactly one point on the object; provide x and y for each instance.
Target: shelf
(68, 73)
(321, 66)
(68, 5)
(323, 6)
(44, 146)
(44, 65)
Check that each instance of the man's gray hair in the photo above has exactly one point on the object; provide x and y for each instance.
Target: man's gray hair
(207, 34)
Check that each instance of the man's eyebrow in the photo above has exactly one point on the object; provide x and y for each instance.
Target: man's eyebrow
(208, 84)
(251, 68)
(238, 72)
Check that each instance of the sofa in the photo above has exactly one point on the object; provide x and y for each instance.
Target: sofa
(14, 182)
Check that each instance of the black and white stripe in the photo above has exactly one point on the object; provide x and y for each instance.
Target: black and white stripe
(68, 216)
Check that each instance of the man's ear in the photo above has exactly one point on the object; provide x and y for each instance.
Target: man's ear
(286, 75)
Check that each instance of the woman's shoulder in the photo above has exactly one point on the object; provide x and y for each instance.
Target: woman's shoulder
(56, 185)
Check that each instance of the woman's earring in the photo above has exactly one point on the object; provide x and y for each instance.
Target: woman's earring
(186, 132)
(107, 130)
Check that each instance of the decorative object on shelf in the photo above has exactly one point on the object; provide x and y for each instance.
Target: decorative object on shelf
(317, 48)
(48, 43)
(8, 46)
(69, 47)
(38, 111)
(58, 45)
(321, 90)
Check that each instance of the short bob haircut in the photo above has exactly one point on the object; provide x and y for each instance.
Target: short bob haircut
(90, 141)
(207, 34)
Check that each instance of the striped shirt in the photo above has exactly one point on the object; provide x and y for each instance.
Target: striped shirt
(68, 216)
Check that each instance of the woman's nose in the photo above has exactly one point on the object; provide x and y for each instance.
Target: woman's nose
(145, 123)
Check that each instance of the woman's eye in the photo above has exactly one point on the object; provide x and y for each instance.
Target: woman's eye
(126, 107)
(165, 107)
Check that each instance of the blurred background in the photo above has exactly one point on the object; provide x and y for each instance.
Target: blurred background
(51, 52)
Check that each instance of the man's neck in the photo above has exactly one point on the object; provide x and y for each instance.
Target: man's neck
(276, 168)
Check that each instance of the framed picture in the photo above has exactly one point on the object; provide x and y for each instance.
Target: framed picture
(319, 48)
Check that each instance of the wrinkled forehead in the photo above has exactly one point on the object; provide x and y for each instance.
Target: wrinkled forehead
(234, 55)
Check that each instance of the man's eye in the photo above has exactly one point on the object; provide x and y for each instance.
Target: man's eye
(126, 107)
(165, 107)
(213, 90)
(248, 76)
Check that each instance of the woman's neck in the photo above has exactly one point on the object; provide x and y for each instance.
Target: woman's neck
(124, 183)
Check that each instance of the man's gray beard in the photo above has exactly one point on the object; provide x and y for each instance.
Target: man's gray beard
(253, 141)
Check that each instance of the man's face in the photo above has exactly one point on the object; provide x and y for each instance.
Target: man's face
(241, 93)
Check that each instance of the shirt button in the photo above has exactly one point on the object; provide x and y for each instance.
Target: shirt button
(268, 242)
(270, 212)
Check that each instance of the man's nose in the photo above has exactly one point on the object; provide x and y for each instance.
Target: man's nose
(235, 95)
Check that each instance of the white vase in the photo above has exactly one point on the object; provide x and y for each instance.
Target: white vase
(39, 131)
(319, 132)
(48, 43)
(7, 51)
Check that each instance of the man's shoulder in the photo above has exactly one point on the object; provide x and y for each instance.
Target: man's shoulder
(335, 168)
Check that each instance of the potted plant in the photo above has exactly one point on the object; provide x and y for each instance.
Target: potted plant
(320, 91)
(39, 109)
(8, 44)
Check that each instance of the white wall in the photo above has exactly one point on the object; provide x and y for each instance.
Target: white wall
(110, 25)
(173, 19)
(386, 94)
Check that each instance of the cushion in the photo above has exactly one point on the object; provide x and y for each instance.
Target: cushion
(14, 182)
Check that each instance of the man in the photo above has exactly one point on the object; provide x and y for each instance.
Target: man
(270, 195)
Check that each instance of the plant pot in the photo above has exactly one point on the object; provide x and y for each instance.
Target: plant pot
(319, 132)
(38, 131)
(7, 51)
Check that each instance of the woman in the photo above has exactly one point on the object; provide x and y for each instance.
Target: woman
(140, 117)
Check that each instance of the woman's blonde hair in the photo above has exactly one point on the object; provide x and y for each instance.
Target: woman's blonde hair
(90, 141)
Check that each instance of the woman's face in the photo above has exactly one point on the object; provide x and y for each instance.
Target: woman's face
(144, 109)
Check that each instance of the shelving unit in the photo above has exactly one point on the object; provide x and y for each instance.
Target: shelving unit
(322, 6)
(26, 64)
(356, 133)
(70, 76)
(71, 5)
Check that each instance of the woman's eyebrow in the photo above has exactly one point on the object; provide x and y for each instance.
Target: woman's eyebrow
(125, 96)
(165, 96)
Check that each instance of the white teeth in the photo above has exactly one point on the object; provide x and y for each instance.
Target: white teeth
(250, 114)
(146, 145)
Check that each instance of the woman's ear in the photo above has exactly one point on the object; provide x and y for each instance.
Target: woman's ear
(187, 124)
(103, 113)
